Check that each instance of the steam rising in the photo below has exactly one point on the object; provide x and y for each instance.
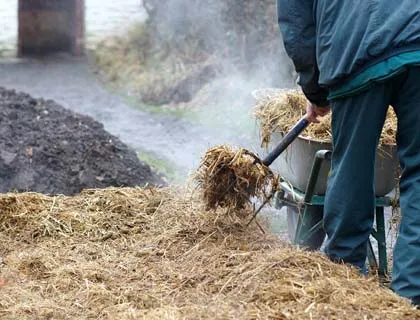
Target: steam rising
(239, 38)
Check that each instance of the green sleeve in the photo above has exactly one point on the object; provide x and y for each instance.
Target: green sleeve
(297, 26)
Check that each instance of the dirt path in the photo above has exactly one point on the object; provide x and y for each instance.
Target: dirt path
(69, 82)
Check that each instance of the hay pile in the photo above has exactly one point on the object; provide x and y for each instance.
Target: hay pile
(156, 254)
(230, 177)
(185, 44)
(279, 110)
(153, 77)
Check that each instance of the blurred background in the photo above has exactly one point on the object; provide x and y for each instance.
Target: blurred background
(102, 18)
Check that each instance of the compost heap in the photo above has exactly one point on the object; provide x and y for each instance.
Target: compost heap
(49, 149)
(229, 177)
(186, 44)
(132, 253)
(279, 110)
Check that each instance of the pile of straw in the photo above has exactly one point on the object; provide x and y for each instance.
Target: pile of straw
(279, 110)
(156, 254)
(230, 177)
(181, 37)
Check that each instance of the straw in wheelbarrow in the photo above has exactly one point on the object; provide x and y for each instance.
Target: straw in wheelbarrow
(230, 177)
(277, 110)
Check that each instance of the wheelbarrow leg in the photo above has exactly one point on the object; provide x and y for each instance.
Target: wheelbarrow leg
(380, 237)
(380, 264)
(373, 263)
(309, 230)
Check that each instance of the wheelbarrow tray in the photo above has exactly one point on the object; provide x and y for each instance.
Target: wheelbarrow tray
(294, 165)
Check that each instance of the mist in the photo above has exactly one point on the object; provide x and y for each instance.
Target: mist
(240, 38)
(242, 35)
(242, 41)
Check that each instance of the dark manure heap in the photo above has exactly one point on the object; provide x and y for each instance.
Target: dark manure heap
(49, 149)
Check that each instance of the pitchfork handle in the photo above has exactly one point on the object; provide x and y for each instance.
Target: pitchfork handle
(286, 141)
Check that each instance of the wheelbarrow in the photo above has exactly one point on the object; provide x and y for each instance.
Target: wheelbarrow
(304, 168)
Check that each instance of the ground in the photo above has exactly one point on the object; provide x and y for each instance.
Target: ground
(124, 253)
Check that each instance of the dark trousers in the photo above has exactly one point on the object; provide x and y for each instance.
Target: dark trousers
(357, 122)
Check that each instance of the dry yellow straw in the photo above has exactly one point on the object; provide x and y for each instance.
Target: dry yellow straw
(156, 254)
(230, 177)
(279, 110)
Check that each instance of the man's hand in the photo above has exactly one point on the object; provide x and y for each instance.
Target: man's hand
(313, 112)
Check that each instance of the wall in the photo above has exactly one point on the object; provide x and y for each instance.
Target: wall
(103, 17)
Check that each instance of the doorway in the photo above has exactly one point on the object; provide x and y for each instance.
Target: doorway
(50, 26)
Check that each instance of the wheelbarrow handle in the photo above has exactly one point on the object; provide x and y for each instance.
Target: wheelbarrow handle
(286, 141)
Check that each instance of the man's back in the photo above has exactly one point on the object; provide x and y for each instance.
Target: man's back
(353, 35)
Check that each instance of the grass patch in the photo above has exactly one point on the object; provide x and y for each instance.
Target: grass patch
(171, 172)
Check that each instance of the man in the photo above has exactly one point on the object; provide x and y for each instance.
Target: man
(357, 57)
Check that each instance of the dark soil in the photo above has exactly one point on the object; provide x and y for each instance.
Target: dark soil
(49, 149)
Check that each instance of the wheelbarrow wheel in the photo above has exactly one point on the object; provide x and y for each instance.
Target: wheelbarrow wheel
(292, 222)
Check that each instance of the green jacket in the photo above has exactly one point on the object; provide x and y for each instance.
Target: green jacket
(333, 41)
